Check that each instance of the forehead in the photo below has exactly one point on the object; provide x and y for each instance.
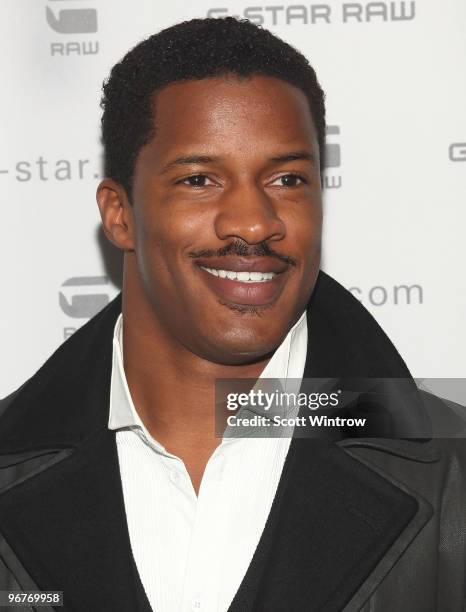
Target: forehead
(232, 113)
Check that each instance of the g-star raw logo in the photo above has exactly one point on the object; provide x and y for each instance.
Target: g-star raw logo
(457, 151)
(332, 159)
(80, 20)
(73, 21)
(82, 297)
(347, 12)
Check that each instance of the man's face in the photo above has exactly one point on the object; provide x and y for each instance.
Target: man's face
(228, 215)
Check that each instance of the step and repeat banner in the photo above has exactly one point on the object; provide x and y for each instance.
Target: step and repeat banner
(395, 188)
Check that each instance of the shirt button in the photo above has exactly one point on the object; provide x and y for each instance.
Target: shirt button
(174, 476)
(197, 605)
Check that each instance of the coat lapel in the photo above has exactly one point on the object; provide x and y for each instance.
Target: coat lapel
(62, 517)
(67, 526)
(334, 521)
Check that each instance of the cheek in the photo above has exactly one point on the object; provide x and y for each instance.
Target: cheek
(304, 232)
(307, 240)
(164, 236)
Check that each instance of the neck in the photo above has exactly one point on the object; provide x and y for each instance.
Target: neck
(173, 389)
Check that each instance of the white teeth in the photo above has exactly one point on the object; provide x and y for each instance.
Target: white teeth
(244, 277)
(255, 276)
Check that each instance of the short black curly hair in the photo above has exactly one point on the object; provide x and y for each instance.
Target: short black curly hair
(195, 49)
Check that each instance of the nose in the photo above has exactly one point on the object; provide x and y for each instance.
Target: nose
(247, 212)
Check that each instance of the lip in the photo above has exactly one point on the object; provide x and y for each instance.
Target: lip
(244, 293)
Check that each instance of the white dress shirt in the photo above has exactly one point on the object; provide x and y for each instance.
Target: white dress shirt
(192, 552)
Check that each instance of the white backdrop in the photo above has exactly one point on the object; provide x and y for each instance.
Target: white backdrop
(394, 75)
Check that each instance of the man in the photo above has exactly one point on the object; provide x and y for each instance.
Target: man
(114, 487)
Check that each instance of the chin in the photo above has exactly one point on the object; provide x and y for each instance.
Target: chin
(242, 345)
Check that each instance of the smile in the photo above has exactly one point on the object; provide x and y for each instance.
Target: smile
(245, 287)
(243, 277)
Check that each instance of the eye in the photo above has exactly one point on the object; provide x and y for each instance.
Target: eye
(196, 180)
(290, 180)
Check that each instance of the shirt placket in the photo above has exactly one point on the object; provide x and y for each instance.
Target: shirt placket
(200, 592)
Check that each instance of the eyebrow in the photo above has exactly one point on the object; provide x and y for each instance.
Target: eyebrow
(189, 159)
(208, 159)
(293, 156)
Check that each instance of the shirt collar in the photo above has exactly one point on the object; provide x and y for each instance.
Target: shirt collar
(286, 363)
(122, 410)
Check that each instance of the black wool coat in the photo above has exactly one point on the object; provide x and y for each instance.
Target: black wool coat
(373, 524)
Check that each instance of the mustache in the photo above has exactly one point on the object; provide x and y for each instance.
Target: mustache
(242, 249)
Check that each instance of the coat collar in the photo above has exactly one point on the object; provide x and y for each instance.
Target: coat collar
(62, 508)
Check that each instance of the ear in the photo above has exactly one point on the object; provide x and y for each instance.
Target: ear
(117, 214)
